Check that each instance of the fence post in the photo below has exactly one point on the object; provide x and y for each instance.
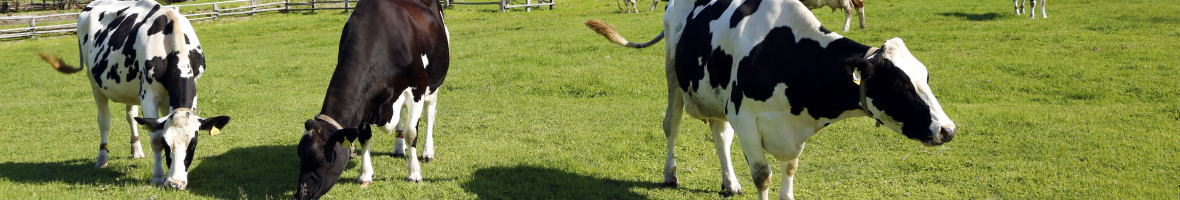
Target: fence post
(346, 6)
(312, 2)
(33, 27)
(216, 12)
(253, 7)
(286, 5)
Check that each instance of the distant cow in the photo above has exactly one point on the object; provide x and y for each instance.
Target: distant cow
(393, 54)
(769, 70)
(143, 54)
(631, 5)
(845, 5)
(1032, 10)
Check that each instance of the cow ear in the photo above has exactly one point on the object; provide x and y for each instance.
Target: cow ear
(313, 129)
(152, 124)
(217, 122)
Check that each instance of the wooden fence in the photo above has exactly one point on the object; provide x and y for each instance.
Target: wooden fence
(67, 22)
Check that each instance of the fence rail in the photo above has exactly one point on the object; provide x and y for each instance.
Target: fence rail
(214, 10)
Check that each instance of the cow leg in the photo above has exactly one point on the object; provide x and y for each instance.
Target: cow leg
(136, 148)
(654, 3)
(788, 190)
(1016, 6)
(1043, 15)
(861, 12)
(366, 176)
(397, 123)
(847, 17)
(747, 130)
(150, 107)
(431, 101)
(722, 139)
(104, 128)
(671, 130)
(415, 167)
(1032, 9)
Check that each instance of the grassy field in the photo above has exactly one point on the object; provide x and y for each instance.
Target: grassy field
(1082, 105)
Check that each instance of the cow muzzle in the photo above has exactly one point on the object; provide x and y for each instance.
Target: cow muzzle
(176, 184)
(944, 135)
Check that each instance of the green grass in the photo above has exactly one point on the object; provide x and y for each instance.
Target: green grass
(1082, 105)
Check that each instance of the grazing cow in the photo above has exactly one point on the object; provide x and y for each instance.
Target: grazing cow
(767, 71)
(145, 56)
(631, 5)
(846, 5)
(394, 54)
(1032, 11)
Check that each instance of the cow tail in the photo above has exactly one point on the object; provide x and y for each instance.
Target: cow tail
(609, 32)
(57, 64)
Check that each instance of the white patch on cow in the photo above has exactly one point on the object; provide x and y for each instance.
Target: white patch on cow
(425, 61)
(896, 52)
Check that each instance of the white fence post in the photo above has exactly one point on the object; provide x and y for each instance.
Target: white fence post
(33, 27)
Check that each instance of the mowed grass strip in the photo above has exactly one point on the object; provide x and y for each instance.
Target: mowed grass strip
(1082, 105)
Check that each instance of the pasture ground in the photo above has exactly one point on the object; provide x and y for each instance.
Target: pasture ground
(1082, 105)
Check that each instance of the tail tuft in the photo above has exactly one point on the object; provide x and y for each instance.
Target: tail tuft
(606, 30)
(58, 65)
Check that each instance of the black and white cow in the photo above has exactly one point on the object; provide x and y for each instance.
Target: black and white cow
(767, 71)
(394, 54)
(1032, 9)
(146, 56)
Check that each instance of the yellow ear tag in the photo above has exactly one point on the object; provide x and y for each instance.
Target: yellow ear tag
(214, 131)
(856, 76)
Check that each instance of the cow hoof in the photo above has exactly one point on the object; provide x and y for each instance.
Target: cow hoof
(671, 184)
(426, 158)
(365, 184)
(729, 192)
(101, 162)
(398, 155)
(414, 180)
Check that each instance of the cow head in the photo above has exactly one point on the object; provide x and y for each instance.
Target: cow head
(322, 157)
(897, 94)
(176, 134)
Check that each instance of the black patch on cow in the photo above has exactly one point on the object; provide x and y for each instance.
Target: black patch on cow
(186, 40)
(132, 71)
(892, 92)
(694, 45)
(98, 68)
(719, 65)
(120, 12)
(85, 38)
(180, 90)
(87, 8)
(191, 151)
(102, 15)
(747, 8)
(159, 25)
(824, 30)
(156, 65)
(196, 61)
(818, 79)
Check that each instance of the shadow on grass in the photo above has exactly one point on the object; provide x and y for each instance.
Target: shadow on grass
(531, 182)
(259, 172)
(972, 16)
(78, 171)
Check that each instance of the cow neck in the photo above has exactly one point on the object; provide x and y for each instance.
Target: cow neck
(860, 82)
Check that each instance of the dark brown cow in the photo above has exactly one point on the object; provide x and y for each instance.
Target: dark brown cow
(393, 54)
